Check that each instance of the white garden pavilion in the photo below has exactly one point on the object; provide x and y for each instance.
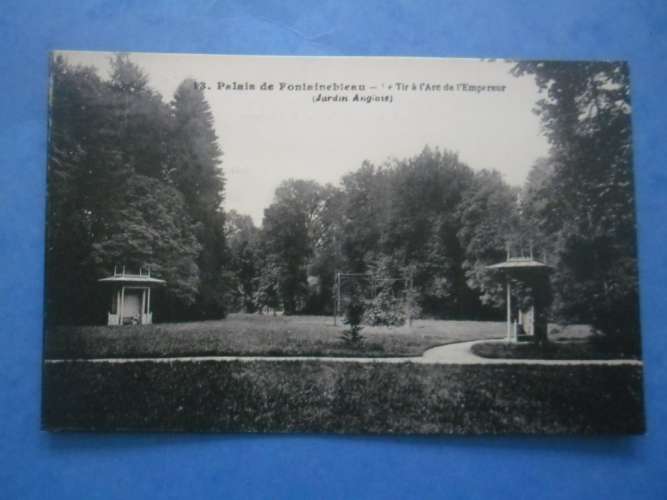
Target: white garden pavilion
(131, 298)
(527, 321)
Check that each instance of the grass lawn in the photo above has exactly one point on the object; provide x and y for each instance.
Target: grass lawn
(248, 334)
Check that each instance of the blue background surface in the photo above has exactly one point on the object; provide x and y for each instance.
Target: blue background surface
(35, 464)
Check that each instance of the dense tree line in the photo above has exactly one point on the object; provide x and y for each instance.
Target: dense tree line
(133, 181)
(429, 217)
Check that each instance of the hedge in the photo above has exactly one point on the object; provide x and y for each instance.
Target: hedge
(351, 397)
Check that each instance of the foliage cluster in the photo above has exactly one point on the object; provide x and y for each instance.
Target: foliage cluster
(403, 218)
(133, 182)
(579, 202)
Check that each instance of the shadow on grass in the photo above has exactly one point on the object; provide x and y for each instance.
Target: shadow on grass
(562, 350)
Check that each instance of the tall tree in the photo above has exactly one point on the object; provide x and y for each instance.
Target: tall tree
(195, 169)
(291, 226)
(84, 168)
(243, 239)
(111, 195)
(326, 259)
(140, 117)
(151, 229)
(589, 215)
(364, 215)
(489, 221)
(425, 193)
(405, 210)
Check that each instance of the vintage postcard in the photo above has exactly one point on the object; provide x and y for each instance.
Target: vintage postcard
(340, 244)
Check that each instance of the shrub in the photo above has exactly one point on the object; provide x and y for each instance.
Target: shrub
(384, 310)
(354, 314)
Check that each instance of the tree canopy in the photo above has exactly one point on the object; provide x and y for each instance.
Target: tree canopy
(581, 199)
(122, 168)
(404, 216)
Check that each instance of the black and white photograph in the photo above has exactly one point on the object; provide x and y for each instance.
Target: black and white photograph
(356, 245)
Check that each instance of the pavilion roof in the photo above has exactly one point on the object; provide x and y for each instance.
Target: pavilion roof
(520, 263)
(143, 279)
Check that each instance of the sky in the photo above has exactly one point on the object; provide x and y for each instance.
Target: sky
(268, 136)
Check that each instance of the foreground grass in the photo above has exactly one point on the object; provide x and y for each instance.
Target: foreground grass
(246, 334)
(315, 396)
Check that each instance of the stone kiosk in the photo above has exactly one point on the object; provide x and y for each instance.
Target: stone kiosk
(131, 298)
(527, 318)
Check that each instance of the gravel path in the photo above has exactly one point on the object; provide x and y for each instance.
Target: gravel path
(461, 354)
(451, 354)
